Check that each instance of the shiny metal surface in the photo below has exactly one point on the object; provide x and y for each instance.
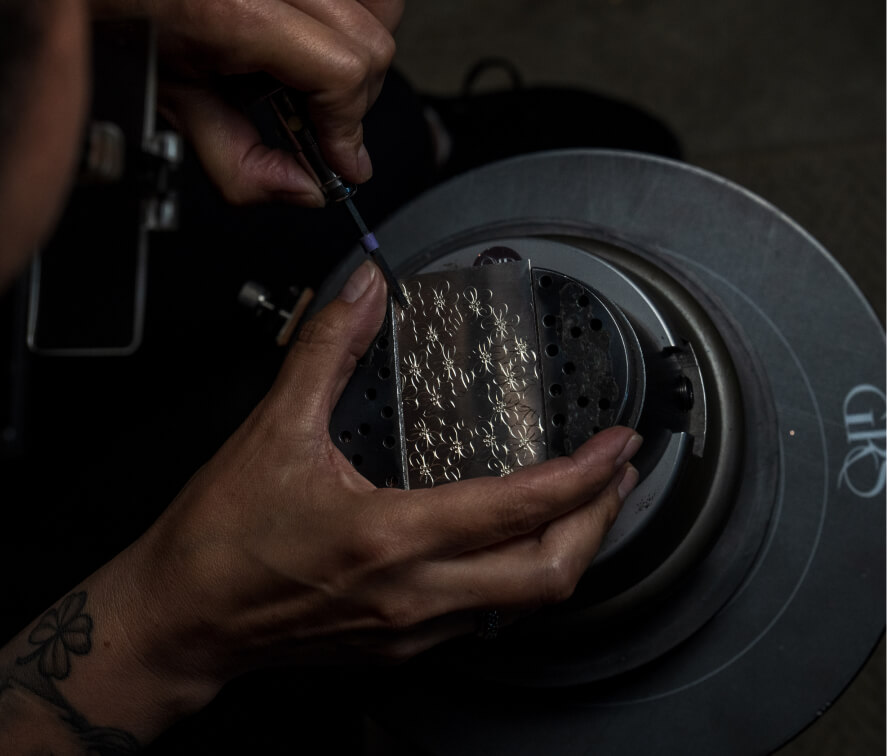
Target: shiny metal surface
(470, 374)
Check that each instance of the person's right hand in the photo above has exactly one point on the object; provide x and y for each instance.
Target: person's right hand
(335, 51)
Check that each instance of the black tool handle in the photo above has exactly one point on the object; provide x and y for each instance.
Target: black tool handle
(258, 94)
(297, 128)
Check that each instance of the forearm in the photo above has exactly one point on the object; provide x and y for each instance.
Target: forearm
(80, 678)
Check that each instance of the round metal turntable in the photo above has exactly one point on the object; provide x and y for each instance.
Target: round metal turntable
(738, 593)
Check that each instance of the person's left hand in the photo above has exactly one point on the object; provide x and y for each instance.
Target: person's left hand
(335, 51)
(278, 551)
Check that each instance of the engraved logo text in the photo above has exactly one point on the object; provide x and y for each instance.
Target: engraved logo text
(865, 466)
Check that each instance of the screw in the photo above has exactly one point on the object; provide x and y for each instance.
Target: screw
(683, 393)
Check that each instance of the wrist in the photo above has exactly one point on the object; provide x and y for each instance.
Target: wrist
(139, 675)
(153, 638)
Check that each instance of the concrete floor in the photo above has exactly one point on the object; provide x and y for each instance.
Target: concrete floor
(786, 97)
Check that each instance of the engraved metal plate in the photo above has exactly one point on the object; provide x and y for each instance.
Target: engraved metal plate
(488, 369)
(470, 376)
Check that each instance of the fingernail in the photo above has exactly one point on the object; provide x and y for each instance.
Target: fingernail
(364, 164)
(628, 482)
(359, 282)
(629, 450)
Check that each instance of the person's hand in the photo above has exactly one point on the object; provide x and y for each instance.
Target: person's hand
(278, 550)
(336, 51)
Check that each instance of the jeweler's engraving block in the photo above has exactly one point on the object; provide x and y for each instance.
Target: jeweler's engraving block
(470, 377)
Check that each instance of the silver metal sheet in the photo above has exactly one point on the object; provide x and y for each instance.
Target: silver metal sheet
(471, 389)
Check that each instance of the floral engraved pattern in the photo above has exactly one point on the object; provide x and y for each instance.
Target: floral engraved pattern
(432, 337)
(457, 442)
(511, 377)
(422, 436)
(500, 323)
(522, 351)
(529, 442)
(470, 374)
(477, 302)
(448, 361)
(425, 466)
(488, 445)
(485, 360)
(413, 367)
(439, 303)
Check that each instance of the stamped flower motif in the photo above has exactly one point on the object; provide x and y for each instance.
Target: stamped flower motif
(485, 358)
(456, 443)
(448, 361)
(427, 467)
(502, 466)
(486, 441)
(444, 311)
(433, 398)
(60, 633)
(509, 407)
(521, 350)
(440, 303)
(423, 435)
(501, 405)
(487, 354)
(500, 323)
(527, 443)
(431, 335)
(511, 377)
(412, 368)
(446, 364)
(477, 302)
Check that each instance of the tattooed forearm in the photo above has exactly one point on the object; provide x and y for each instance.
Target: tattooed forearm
(61, 634)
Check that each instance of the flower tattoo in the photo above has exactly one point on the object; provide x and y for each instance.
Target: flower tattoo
(60, 633)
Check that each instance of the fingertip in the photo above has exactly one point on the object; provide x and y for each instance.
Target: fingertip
(358, 282)
(323, 357)
(350, 159)
(631, 447)
(630, 477)
(345, 151)
(365, 290)
(617, 444)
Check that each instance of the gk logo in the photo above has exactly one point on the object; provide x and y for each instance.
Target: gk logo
(865, 413)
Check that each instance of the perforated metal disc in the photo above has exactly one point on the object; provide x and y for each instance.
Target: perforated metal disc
(810, 606)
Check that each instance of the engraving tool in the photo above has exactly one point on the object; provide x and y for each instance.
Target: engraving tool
(307, 151)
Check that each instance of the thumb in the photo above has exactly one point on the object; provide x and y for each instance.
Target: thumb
(322, 360)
